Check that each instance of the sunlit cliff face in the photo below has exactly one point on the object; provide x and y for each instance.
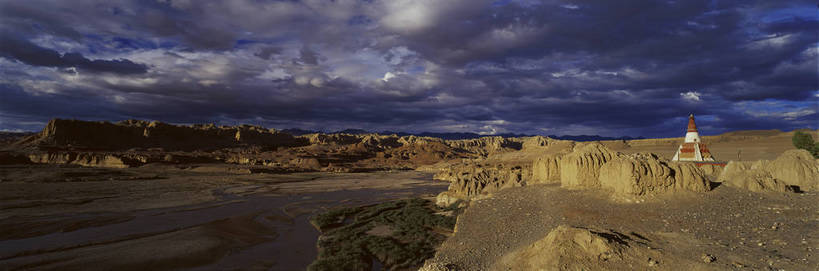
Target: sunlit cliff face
(535, 67)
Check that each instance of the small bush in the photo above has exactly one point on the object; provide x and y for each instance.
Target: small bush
(805, 141)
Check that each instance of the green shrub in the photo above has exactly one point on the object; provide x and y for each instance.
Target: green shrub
(802, 140)
(347, 246)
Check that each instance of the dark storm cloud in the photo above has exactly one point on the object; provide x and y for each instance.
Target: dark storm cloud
(34, 55)
(25, 108)
(266, 52)
(545, 67)
(308, 56)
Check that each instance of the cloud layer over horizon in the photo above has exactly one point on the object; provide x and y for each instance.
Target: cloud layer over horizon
(610, 68)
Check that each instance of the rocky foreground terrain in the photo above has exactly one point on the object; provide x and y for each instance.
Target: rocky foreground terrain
(81, 193)
(588, 206)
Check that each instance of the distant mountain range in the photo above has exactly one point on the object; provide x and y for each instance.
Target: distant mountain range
(456, 136)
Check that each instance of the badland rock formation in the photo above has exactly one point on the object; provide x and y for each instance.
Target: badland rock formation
(133, 143)
(794, 168)
(474, 167)
(642, 174)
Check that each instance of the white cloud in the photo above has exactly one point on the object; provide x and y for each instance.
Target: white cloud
(274, 74)
(39, 86)
(773, 41)
(410, 16)
(130, 82)
(302, 80)
(317, 82)
(388, 76)
(691, 96)
(787, 115)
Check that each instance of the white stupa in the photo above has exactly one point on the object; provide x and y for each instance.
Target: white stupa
(692, 149)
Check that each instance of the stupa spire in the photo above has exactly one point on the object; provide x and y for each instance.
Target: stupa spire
(692, 127)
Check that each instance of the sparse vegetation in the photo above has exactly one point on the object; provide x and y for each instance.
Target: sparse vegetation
(347, 242)
(802, 140)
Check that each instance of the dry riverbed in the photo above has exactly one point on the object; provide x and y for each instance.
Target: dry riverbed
(163, 217)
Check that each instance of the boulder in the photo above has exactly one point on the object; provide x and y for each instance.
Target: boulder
(581, 168)
(307, 163)
(446, 199)
(642, 174)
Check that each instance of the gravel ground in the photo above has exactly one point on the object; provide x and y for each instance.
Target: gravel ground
(726, 228)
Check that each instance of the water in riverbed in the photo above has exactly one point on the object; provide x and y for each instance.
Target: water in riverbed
(267, 231)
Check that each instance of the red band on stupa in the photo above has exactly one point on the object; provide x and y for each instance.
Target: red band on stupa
(692, 127)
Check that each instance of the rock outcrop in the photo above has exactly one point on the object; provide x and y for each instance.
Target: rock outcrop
(642, 174)
(308, 163)
(485, 145)
(751, 176)
(546, 169)
(535, 143)
(711, 170)
(89, 159)
(581, 168)
(296, 163)
(794, 169)
(572, 248)
(468, 181)
(77, 134)
(255, 145)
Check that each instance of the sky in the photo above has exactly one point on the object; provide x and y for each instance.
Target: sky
(609, 68)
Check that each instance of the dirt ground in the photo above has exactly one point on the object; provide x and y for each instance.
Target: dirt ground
(736, 146)
(740, 229)
(159, 218)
